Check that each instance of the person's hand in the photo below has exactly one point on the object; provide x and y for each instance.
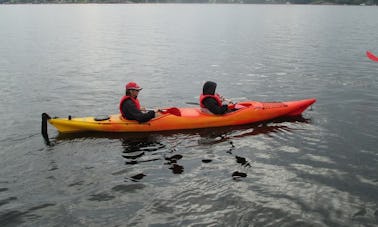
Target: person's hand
(159, 112)
(225, 100)
(231, 106)
(143, 109)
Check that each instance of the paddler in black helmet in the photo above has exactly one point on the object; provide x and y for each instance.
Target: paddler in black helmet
(211, 101)
(129, 105)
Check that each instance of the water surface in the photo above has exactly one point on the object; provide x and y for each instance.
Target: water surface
(317, 170)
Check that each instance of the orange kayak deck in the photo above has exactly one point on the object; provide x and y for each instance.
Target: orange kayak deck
(191, 118)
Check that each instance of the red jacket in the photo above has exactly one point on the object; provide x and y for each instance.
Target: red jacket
(124, 98)
(216, 97)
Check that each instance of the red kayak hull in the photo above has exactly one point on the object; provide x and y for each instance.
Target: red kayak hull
(189, 118)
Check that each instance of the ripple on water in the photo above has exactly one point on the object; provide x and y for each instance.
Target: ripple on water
(12, 217)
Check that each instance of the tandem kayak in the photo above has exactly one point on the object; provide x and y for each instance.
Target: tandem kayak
(181, 118)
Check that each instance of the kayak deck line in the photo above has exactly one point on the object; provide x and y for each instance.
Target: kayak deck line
(188, 118)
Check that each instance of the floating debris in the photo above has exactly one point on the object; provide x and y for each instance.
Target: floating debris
(237, 175)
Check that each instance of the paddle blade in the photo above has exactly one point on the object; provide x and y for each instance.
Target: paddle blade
(173, 110)
(371, 56)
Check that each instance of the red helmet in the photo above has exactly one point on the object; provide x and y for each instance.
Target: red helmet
(133, 86)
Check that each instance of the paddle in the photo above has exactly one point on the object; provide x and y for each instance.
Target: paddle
(232, 100)
(173, 110)
(371, 56)
(231, 105)
(192, 103)
(196, 103)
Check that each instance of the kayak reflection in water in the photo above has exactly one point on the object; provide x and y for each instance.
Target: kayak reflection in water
(213, 102)
(130, 107)
(148, 149)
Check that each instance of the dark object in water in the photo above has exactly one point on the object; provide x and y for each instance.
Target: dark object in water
(138, 176)
(237, 174)
(132, 162)
(133, 156)
(242, 161)
(174, 157)
(45, 118)
(177, 169)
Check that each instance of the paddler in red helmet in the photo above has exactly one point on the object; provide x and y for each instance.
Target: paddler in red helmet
(213, 102)
(130, 107)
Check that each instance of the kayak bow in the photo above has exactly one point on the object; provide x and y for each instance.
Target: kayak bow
(182, 118)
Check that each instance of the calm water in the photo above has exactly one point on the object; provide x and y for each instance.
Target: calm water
(318, 170)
